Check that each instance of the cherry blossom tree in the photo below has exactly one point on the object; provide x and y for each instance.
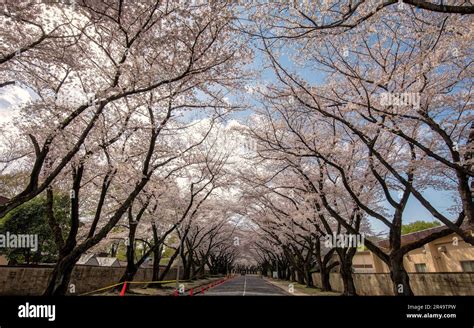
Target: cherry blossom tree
(394, 105)
(126, 51)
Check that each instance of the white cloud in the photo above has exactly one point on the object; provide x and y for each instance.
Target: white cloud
(10, 98)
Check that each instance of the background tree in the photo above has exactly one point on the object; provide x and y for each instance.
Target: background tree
(31, 218)
(418, 225)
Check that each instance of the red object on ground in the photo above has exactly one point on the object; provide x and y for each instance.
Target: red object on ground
(175, 293)
(202, 290)
(191, 292)
(124, 289)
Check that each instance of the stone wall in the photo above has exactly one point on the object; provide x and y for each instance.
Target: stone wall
(421, 283)
(16, 280)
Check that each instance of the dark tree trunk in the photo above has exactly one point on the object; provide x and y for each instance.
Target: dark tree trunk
(293, 275)
(156, 263)
(347, 278)
(399, 276)
(322, 262)
(308, 278)
(168, 266)
(325, 283)
(300, 276)
(345, 257)
(131, 268)
(129, 275)
(202, 270)
(61, 275)
(187, 271)
(113, 250)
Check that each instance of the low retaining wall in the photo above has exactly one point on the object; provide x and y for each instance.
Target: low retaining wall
(33, 280)
(421, 283)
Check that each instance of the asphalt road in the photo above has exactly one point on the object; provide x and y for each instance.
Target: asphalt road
(248, 285)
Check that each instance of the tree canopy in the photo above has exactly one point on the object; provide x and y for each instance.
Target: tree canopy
(418, 225)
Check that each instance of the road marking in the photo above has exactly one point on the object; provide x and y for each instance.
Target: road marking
(245, 285)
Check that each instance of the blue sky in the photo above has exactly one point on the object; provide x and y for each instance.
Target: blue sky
(441, 200)
(414, 211)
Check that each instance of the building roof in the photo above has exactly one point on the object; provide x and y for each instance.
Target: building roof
(417, 235)
(88, 259)
(108, 261)
(93, 259)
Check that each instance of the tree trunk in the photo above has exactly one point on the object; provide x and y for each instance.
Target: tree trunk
(345, 257)
(300, 276)
(168, 266)
(156, 263)
(131, 268)
(61, 275)
(325, 283)
(347, 279)
(202, 270)
(308, 278)
(129, 275)
(186, 271)
(399, 276)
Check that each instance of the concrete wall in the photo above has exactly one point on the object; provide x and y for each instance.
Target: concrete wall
(33, 280)
(421, 283)
(455, 250)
